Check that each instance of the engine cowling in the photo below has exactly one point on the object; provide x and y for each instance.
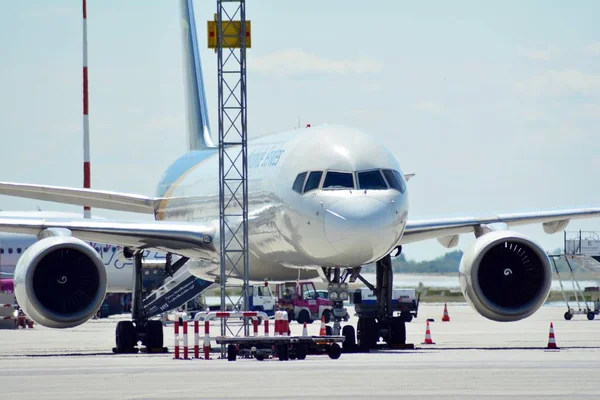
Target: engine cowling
(505, 276)
(60, 282)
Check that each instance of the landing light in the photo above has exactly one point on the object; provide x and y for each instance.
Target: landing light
(338, 291)
(396, 251)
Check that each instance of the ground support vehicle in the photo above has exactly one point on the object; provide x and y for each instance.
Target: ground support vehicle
(282, 344)
(302, 303)
(283, 347)
(22, 320)
(583, 307)
(405, 303)
(261, 299)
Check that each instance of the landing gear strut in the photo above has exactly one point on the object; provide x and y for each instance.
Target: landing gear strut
(338, 293)
(381, 324)
(140, 329)
(391, 329)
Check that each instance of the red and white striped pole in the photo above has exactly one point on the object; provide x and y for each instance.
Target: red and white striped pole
(196, 339)
(185, 340)
(206, 344)
(87, 212)
(266, 327)
(176, 342)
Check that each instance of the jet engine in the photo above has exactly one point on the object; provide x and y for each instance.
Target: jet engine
(60, 282)
(505, 276)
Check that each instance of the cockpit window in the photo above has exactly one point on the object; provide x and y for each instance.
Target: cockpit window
(313, 181)
(299, 182)
(395, 180)
(401, 180)
(371, 180)
(338, 180)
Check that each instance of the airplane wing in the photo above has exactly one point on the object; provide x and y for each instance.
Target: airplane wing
(185, 239)
(446, 230)
(82, 197)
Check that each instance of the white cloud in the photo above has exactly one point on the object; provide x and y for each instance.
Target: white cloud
(589, 110)
(430, 107)
(296, 61)
(594, 49)
(536, 116)
(561, 83)
(541, 55)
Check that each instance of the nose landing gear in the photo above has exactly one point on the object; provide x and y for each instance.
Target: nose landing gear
(373, 323)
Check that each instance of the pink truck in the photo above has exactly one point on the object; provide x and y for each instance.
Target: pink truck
(6, 285)
(302, 302)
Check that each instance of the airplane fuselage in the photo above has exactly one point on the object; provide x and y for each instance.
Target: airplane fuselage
(336, 223)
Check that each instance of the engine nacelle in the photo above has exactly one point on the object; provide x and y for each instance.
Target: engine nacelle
(60, 282)
(505, 276)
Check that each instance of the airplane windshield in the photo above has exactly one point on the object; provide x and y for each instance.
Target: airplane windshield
(338, 180)
(299, 182)
(375, 179)
(313, 181)
(395, 181)
(371, 180)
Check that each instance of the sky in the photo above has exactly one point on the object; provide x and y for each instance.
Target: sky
(494, 106)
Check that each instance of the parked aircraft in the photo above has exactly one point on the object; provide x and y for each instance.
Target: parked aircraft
(324, 201)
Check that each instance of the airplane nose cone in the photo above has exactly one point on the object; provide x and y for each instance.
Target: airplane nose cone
(359, 229)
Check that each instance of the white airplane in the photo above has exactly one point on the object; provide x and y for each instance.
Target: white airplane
(324, 201)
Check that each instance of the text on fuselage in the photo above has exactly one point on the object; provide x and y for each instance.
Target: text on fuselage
(265, 157)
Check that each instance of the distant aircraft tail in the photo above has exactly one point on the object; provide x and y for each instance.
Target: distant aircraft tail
(195, 99)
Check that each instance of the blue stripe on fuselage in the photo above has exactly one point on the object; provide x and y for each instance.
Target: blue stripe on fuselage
(180, 167)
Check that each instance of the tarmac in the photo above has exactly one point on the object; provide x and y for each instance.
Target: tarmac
(472, 358)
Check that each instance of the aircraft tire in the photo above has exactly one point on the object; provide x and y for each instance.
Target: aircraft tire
(349, 344)
(368, 333)
(398, 331)
(303, 316)
(125, 337)
(154, 335)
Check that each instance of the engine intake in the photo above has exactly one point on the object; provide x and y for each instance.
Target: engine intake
(60, 282)
(505, 276)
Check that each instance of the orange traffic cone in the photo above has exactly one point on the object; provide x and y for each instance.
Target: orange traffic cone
(428, 335)
(551, 338)
(304, 330)
(446, 317)
(323, 330)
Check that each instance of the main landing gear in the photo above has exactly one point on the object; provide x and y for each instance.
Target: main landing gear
(391, 329)
(140, 329)
(371, 325)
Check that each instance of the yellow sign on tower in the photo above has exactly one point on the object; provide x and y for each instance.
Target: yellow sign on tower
(231, 36)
